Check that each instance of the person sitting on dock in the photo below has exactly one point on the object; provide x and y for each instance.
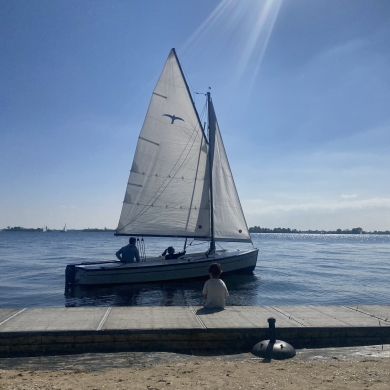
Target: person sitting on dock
(171, 253)
(127, 253)
(214, 290)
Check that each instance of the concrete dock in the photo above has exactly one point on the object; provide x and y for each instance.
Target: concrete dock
(43, 331)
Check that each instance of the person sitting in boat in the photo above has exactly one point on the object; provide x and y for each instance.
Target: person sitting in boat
(171, 253)
(127, 253)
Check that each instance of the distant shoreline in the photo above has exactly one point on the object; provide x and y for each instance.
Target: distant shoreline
(254, 229)
(258, 229)
(40, 230)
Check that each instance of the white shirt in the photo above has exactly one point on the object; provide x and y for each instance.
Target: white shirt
(216, 292)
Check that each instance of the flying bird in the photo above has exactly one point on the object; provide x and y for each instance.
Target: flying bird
(173, 117)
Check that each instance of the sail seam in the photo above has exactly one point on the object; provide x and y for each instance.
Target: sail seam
(189, 180)
(167, 207)
(170, 84)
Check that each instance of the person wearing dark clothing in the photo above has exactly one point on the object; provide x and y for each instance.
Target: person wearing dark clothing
(171, 253)
(127, 253)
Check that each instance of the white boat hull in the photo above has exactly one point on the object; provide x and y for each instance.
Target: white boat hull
(158, 269)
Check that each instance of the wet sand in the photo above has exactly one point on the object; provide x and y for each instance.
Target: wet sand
(331, 368)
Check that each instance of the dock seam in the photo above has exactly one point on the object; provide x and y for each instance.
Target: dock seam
(197, 317)
(288, 316)
(364, 312)
(14, 315)
(100, 326)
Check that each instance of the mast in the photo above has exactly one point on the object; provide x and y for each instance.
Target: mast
(211, 158)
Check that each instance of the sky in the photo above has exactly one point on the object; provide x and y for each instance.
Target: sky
(301, 89)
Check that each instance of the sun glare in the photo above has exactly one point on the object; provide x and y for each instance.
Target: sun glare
(246, 26)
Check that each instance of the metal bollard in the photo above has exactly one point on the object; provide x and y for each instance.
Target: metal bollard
(272, 348)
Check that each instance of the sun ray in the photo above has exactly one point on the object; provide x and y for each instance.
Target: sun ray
(208, 24)
(244, 27)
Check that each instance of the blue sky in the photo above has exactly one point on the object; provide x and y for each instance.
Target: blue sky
(301, 90)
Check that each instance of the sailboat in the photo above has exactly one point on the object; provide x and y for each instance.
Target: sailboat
(180, 185)
(63, 230)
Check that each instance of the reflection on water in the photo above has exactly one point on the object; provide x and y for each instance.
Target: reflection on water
(173, 293)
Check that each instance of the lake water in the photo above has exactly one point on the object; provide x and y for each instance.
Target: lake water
(291, 270)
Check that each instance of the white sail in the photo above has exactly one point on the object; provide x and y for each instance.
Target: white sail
(167, 178)
(229, 220)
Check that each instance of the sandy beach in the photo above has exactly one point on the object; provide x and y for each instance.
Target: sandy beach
(343, 368)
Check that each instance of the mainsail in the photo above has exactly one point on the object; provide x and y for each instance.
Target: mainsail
(167, 178)
(168, 191)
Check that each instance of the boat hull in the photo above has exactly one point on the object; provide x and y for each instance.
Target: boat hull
(155, 270)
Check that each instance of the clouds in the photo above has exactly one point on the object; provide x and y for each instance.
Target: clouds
(346, 196)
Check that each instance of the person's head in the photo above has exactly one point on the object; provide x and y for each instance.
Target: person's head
(215, 270)
(132, 240)
(171, 250)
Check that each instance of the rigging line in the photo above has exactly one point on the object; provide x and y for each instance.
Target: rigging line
(200, 243)
(220, 246)
(203, 113)
(193, 139)
(143, 248)
(162, 188)
(164, 181)
(231, 174)
(193, 189)
(146, 208)
(189, 243)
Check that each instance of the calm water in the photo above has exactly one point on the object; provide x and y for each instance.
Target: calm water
(291, 270)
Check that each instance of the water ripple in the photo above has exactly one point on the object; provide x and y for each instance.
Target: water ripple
(291, 270)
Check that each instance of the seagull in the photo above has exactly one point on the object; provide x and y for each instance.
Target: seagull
(173, 117)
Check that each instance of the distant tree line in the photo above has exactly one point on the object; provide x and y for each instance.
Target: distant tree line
(358, 230)
(97, 230)
(22, 229)
(254, 229)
